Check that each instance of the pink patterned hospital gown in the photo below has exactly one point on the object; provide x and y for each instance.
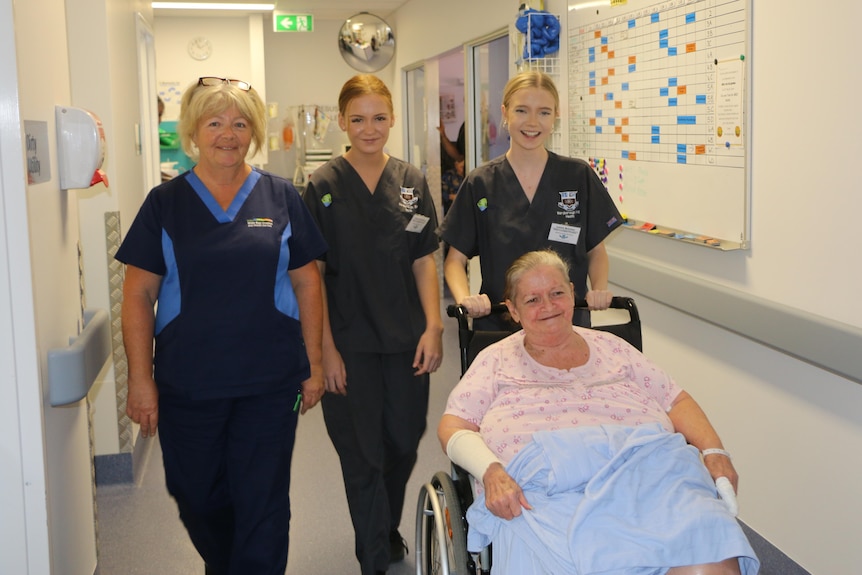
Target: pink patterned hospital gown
(510, 396)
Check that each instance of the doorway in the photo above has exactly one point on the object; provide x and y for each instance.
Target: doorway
(451, 126)
(415, 113)
(149, 126)
(488, 70)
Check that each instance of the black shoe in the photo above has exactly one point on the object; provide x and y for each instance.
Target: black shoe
(397, 547)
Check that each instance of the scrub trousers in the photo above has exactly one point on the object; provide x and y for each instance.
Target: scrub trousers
(227, 465)
(376, 429)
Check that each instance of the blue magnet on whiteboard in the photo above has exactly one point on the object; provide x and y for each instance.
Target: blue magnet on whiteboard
(727, 144)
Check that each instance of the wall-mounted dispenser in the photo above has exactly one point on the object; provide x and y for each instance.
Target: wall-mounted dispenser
(80, 148)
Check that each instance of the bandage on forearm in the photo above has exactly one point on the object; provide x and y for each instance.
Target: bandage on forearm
(467, 449)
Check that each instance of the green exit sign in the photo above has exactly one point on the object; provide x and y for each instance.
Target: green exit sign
(293, 22)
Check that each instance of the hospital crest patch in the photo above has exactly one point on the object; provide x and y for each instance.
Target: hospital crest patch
(568, 201)
(409, 199)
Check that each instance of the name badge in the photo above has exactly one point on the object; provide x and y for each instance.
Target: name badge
(417, 223)
(564, 234)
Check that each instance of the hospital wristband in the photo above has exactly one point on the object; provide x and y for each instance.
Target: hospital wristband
(715, 451)
(468, 449)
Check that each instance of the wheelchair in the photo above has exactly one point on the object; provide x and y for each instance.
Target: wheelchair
(441, 522)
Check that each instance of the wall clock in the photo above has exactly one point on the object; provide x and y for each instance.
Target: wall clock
(200, 48)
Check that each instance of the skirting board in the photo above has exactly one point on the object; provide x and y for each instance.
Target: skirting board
(825, 343)
(123, 468)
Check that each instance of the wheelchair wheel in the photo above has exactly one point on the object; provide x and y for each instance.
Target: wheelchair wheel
(441, 536)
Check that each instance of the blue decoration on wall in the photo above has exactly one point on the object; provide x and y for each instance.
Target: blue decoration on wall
(542, 30)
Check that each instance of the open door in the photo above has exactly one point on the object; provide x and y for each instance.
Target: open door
(488, 70)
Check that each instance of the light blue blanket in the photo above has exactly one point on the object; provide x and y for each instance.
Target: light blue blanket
(610, 500)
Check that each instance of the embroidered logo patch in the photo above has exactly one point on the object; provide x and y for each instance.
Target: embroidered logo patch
(568, 201)
(326, 200)
(409, 199)
(259, 222)
(482, 204)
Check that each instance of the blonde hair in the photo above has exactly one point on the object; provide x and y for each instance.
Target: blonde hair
(201, 102)
(531, 79)
(363, 85)
(529, 261)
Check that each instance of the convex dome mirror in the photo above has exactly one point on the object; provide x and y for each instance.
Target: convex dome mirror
(366, 42)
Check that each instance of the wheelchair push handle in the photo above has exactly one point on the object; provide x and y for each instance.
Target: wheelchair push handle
(460, 312)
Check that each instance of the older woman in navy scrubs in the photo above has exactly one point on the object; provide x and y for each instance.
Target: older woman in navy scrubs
(228, 253)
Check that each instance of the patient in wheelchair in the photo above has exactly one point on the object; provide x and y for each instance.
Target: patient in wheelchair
(588, 457)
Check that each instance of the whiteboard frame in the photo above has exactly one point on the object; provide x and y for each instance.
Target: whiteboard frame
(733, 236)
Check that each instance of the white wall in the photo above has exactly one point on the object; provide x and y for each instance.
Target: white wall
(237, 44)
(52, 214)
(231, 55)
(303, 69)
(59, 62)
(23, 522)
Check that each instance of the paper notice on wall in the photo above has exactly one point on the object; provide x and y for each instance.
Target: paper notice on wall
(730, 103)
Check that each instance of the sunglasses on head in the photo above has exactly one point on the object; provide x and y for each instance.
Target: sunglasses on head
(214, 81)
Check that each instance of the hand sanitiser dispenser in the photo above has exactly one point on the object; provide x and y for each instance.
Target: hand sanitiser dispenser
(80, 148)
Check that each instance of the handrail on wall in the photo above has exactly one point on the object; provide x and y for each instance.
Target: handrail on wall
(72, 370)
(820, 341)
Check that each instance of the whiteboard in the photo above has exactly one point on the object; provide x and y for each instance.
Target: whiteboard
(659, 105)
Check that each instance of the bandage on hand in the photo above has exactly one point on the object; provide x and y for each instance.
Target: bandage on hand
(727, 494)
